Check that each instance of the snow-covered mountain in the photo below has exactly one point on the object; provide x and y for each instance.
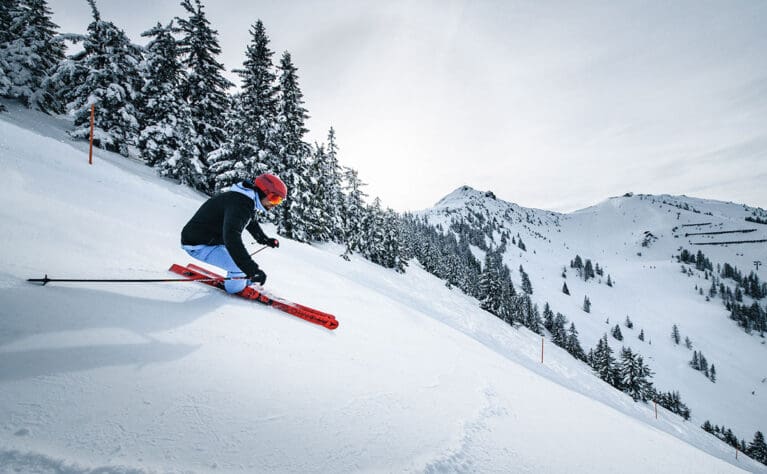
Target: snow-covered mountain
(183, 378)
(636, 239)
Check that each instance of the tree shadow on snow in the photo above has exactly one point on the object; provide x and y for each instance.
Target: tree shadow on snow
(28, 311)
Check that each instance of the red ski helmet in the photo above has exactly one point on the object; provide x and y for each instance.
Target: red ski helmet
(272, 187)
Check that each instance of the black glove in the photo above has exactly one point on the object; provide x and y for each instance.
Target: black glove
(258, 277)
(272, 243)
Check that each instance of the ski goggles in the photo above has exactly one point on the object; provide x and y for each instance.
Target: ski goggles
(274, 199)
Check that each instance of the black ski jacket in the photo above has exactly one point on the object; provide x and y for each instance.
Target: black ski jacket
(220, 221)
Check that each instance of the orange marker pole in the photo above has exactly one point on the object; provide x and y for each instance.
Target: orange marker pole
(90, 152)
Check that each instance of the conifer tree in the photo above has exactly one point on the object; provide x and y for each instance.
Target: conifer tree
(559, 333)
(293, 155)
(30, 51)
(533, 318)
(205, 86)
(675, 334)
(167, 118)
(588, 270)
(573, 345)
(7, 8)
(6, 20)
(617, 332)
(490, 286)
(235, 159)
(635, 376)
(548, 317)
(565, 290)
(629, 324)
(249, 148)
(353, 212)
(527, 287)
(603, 362)
(641, 335)
(757, 449)
(393, 250)
(586, 304)
(105, 74)
(577, 263)
(324, 220)
(373, 233)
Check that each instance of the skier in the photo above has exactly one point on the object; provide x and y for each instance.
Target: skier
(214, 234)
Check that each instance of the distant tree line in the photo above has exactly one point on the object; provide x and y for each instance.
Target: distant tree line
(756, 450)
(751, 317)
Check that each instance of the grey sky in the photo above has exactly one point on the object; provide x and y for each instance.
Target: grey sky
(555, 105)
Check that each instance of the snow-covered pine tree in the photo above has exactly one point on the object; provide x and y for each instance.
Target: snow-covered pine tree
(168, 140)
(6, 7)
(353, 212)
(573, 344)
(757, 449)
(635, 376)
(675, 334)
(603, 362)
(511, 303)
(6, 19)
(559, 333)
(235, 159)
(394, 252)
(30, 51)
(325, 181)
(616, 332)
(588, 270)
(548, 317)
(319, 226)
(249, 148)
(533, 320)
(629, 323)
(695, 362)
(586, 304)
(372, 246)
(527, 287)
(490, 286)
(204, 86)
(293, 155)
(106, 74)
(165, 112)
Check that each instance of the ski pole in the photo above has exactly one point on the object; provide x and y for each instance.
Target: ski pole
(262, 248)
(47, 280)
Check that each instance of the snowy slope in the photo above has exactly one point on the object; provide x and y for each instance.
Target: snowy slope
(649, 287)
(181, 377)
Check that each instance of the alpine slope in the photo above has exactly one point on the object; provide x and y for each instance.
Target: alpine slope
(181, 377)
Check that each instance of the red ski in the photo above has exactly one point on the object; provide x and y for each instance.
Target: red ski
(194, 272)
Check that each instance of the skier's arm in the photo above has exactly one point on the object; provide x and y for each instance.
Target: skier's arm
(234, 222)
(255, 230)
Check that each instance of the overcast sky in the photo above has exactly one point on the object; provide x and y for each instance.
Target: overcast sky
(554, 105)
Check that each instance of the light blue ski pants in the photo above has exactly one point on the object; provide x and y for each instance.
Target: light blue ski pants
(218, 256)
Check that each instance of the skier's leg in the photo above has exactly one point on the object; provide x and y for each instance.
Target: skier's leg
(218, 256)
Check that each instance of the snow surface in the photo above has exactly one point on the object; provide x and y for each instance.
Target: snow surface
(181, 377)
